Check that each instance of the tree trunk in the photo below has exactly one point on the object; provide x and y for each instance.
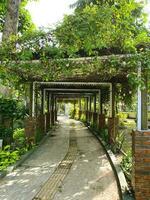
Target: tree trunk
(11, 19)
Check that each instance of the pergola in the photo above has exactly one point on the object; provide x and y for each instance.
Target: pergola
(89, 85)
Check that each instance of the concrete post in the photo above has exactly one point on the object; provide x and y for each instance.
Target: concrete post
(142, 117)
(113, 121)
(52, 110)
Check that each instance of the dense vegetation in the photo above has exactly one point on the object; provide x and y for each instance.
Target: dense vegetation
(96, 28)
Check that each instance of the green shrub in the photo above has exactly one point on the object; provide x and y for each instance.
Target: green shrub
(104, 135)
(18, 133)
(8, 157)
(122, 115)
(6, 135)
(83, 117)
(19, 138)
(119, 141)
(126, 164)
(38, 136)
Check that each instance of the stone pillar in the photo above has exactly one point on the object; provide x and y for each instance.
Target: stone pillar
(141, 164)
(102, 122)
(112, 128)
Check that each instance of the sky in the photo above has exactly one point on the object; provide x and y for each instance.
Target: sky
(48, 12)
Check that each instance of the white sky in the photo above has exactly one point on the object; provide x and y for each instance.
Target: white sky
(48, 12)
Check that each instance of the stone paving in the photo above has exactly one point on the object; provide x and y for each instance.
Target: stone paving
(90, 177)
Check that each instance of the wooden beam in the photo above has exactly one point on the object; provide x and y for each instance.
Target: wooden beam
(74, 83)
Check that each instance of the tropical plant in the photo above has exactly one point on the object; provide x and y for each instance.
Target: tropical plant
(103, 27)
(8, 157)
(19, 137)
(126, 164)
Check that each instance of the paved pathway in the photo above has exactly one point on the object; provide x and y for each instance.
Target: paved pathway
(48, 169)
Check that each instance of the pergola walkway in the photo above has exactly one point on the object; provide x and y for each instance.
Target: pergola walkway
(70, 165)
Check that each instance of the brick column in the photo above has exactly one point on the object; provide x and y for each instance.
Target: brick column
(112, 128)
(101, 121)
(41, 124)
(30, 129)
(141, 164)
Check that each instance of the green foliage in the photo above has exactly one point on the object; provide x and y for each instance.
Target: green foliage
(98, 28)
(8, 157)
(72, 112)
(122, 115)
(38, 136)
(104, 135)
(6, 134)
(83, 118)
(11, 108)
(19, 138)
(18, 133)
(103, 27)
(8, 107)
(126, 164)
(116, 147)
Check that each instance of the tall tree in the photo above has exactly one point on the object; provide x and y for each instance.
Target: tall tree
(11, 19)
(103, 27)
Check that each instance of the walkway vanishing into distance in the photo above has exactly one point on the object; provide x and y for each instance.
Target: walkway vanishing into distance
(69, 165)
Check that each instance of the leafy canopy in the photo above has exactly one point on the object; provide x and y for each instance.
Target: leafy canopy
(103, 27)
